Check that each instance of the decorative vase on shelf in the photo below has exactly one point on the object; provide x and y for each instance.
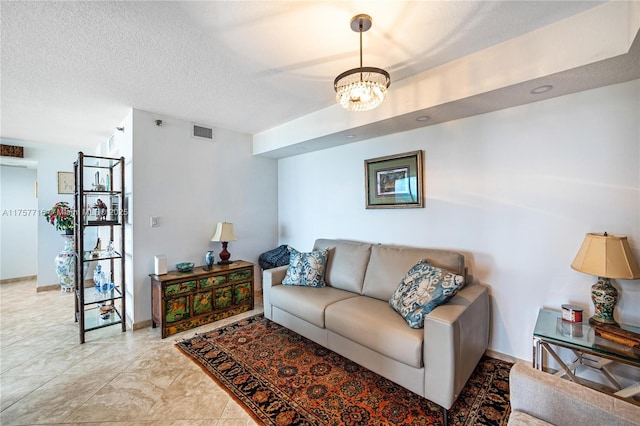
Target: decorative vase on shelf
(209, 259)
(66, 264)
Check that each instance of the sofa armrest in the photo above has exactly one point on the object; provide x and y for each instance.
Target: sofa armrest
(456, 336)
(564, 403)
(270, 278)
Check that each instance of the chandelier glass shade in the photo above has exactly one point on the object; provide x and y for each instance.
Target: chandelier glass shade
(363, 88)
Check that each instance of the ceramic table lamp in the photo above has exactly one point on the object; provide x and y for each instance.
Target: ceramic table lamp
(605, 256)
(224, 234)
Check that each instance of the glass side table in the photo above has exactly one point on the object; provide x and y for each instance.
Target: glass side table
(590, 350)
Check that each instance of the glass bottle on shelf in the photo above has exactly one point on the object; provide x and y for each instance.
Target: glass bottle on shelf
(99, 278)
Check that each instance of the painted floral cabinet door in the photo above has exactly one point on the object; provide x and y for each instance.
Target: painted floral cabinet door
(177, 309)
(224, 297)
(202, 303)
(242, 292)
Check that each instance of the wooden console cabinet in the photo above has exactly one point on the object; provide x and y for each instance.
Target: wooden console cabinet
(184, 300)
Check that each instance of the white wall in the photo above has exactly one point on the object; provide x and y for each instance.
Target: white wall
(122, 146)
(18, 222)
(515, 190)
(51, 160)
(190, 185)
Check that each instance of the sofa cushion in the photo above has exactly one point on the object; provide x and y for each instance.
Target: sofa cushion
(307, 303)
(422, 289)
(517, 418)
(373, 324)
(347, 263)
(306, 269)
(388, 264)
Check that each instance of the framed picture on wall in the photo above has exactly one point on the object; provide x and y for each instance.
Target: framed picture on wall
(66, 184)
(394, 181)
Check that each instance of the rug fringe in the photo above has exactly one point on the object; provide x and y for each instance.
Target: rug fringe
(221, 385)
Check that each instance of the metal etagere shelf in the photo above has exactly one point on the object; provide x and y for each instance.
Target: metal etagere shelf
(99, 197)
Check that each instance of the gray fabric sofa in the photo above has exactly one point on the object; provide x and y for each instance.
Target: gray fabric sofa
(539, 398)
(352, 317)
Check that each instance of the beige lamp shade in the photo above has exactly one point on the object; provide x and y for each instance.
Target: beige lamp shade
(224, 232)
(607, 256)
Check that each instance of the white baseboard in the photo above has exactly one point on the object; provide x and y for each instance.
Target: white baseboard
(49, 287)
(504, 357)
(141, 324)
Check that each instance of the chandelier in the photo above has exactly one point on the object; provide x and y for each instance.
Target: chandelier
(363, 88)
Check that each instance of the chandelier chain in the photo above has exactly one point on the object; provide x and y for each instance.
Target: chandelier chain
(361, 23)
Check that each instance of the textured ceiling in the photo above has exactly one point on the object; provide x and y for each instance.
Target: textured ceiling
(71, 70)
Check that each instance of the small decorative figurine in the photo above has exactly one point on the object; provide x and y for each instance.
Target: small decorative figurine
(101, 210)
(97, 248)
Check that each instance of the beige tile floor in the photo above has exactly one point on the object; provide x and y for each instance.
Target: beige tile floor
(115, 378)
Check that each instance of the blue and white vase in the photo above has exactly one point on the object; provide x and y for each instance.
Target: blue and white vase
(209, 258)
(66, 264)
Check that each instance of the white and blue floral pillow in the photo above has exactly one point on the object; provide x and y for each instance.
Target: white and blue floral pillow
(306, 269)
(422, 289)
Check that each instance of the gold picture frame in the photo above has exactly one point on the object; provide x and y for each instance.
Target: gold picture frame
(66, 183)
(394, 181)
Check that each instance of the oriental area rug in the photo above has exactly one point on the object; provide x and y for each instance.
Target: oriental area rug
(282, 378)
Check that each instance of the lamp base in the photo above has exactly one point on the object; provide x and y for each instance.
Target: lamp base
(595, 321)
(224, 255)
(604, 297)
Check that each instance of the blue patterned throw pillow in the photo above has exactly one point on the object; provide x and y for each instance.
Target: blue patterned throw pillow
(306, 269)
(422, 289)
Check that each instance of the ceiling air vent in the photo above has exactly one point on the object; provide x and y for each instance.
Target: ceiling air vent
(202, 132)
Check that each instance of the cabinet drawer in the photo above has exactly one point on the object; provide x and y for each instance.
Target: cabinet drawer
(176, 309)
(179, 288)
(212, 281)
(240, 275)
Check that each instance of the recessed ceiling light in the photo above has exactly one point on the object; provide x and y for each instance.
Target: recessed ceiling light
(351, 136)
(423, 118)
(541, 89)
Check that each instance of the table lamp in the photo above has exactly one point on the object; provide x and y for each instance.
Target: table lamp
(606, 256)
(224, 234)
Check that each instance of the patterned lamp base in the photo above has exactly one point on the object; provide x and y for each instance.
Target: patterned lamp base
(604, 297)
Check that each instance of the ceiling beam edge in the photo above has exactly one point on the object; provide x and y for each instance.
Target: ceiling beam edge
(595, 35)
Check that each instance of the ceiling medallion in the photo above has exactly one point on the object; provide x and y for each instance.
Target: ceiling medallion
(363, 88)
